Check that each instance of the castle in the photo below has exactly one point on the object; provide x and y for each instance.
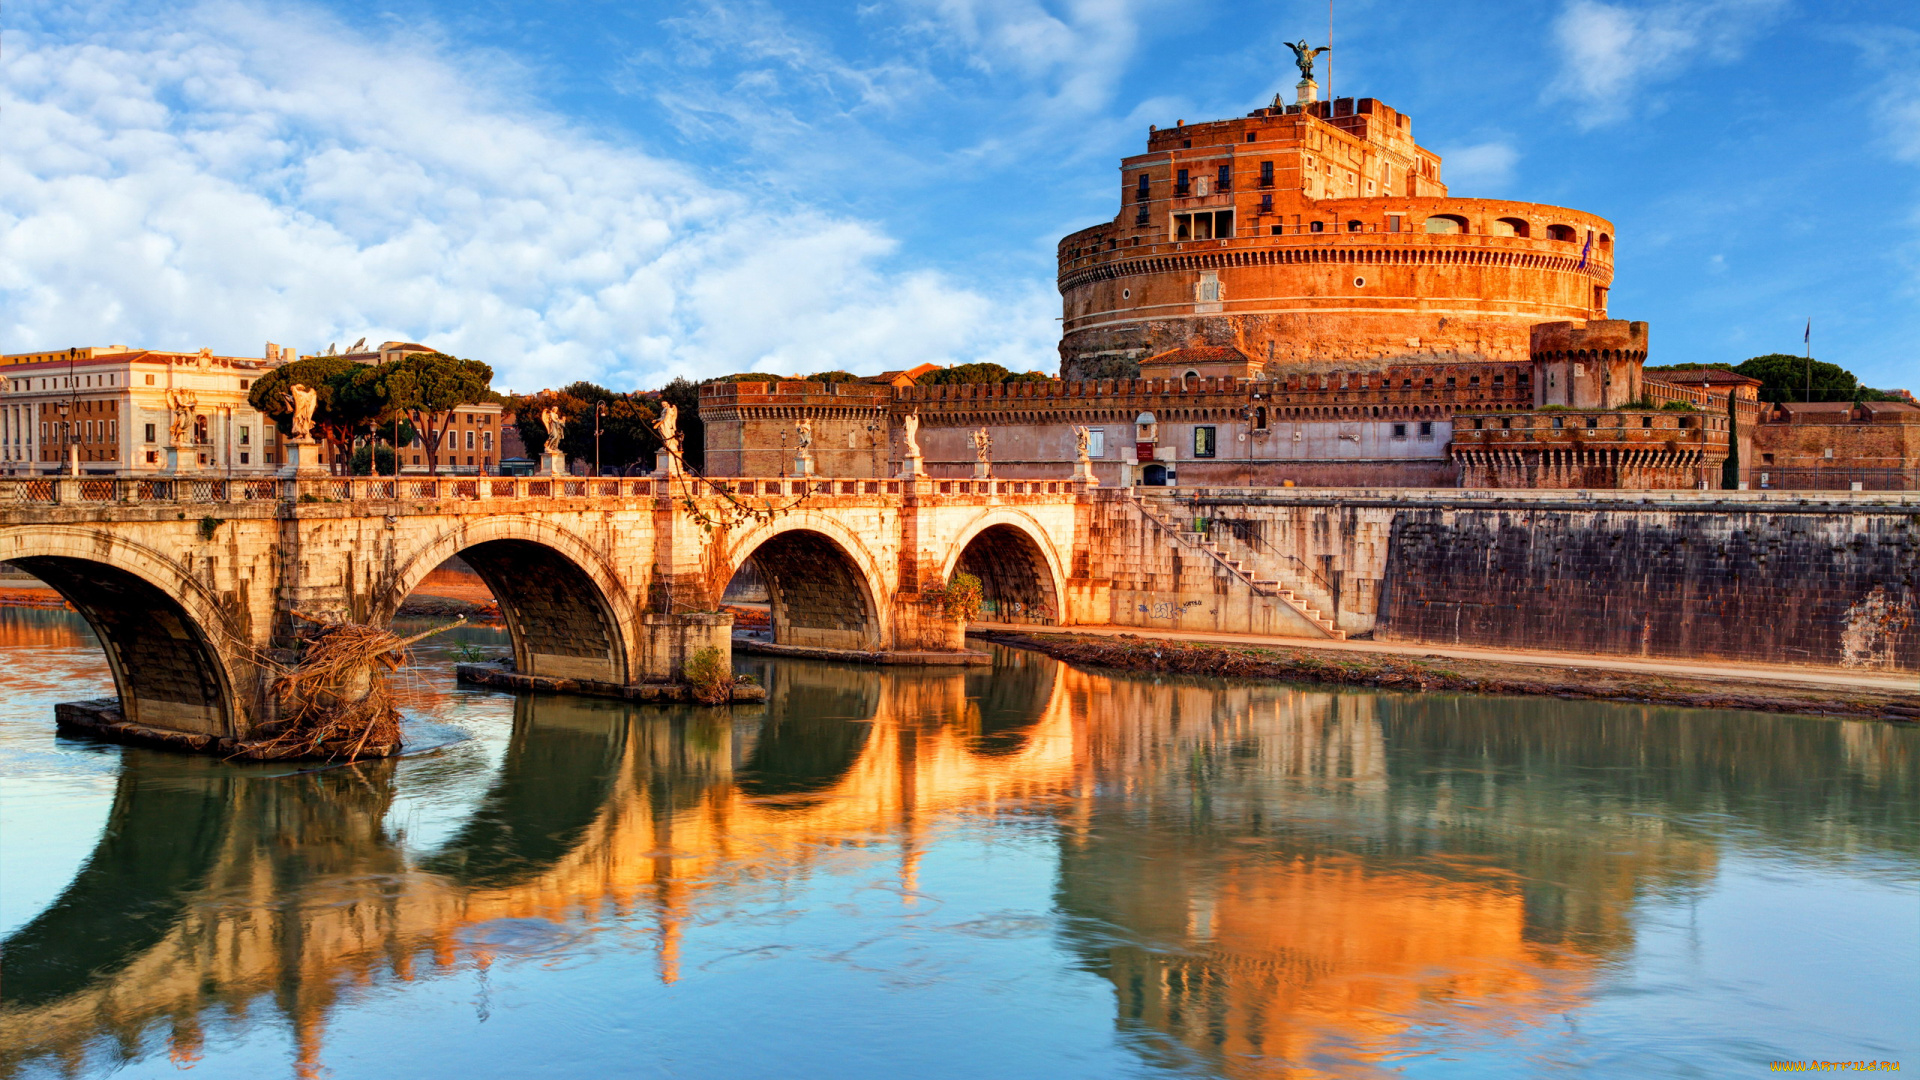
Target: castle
(1293, 298)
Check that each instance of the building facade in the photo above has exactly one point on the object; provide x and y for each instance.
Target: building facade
(118, 410)
(1316, 236)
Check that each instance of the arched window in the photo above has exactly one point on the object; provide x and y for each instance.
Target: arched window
(200, 429)
(1510, 226)
(1318, 226)
(1447, 224)
(1606, 242)
(1562, 233)
(1353, 226)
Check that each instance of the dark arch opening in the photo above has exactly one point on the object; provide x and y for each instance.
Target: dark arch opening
(164, 668)
(1015, 581)
(816, 595)
(562, 626)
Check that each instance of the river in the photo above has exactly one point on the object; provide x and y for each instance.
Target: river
(1027, 871)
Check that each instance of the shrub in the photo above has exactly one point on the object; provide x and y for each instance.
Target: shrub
(964, 596)
(709, 676)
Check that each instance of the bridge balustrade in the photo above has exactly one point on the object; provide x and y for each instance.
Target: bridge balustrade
(100, 490)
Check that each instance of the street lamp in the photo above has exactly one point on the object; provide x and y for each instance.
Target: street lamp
(598, 408)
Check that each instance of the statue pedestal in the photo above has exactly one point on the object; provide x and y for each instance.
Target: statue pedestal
(303, 460)
(1083, 473)
(173, 460)
(73, 459)
(1306, 92)
(553, 463)
(913, 468)
(665, 465)
(983, 470)
(803, 464)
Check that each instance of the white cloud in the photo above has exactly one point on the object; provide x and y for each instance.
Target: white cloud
(1610, 53)
(228, 174)
(1486, 166)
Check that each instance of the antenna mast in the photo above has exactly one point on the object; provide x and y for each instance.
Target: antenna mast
(1329, 57)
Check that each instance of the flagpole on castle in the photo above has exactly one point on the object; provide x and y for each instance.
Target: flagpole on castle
(1808, 339)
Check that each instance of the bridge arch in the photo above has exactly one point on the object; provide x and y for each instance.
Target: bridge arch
(823, 586)
(567, 610)
(166, 637)
(1018, 568)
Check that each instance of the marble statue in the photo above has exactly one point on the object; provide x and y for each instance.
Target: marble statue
(302, 399)
(911, 422)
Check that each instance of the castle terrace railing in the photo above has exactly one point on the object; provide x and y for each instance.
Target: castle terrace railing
(194, 490)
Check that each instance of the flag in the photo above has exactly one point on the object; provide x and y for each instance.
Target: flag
(1588, 247)
(1807, 338)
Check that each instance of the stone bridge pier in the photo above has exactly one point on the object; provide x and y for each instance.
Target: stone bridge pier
(608, 584)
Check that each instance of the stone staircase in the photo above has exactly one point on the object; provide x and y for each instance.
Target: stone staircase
(1260, 586)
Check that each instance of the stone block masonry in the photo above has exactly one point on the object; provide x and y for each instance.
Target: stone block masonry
(1745, 577)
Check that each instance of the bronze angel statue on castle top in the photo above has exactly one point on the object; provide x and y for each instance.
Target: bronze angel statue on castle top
(1303, 55)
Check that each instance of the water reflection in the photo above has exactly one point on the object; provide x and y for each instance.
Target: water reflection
(1265, 878)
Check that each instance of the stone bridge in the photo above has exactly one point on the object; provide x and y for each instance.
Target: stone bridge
(608, 582)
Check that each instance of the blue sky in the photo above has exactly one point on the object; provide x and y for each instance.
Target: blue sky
(625, 192)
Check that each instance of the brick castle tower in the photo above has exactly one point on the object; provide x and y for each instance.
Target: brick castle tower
(1308, 237)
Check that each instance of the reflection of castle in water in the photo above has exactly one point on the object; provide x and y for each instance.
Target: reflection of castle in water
(1264, 874)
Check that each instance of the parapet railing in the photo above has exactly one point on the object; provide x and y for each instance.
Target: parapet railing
(184, 490)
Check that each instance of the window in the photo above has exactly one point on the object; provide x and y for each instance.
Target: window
(1266, 174)
(1427, 383)
(1509, 226)
(1393, 222)
(1592, 422)
(1766, 459)
(1226, 178)
(1399, 431)
(1562, 233)
(1426, 429)
(1266, 203)
(1646, 421)
(1203, 441)
(486, 441)
(1559, 422)
(246, 435)
(1249, 136)
(1318, 226)
(1473, 380)
(469, 443)
(244, 458)
(1479, 423)
(1260, 418)
(244, 383)
(1449, 382)
(153, 457)
(1140, 189)
(149, 432)
(1506, 422)
(1499, 380)
(1446, 224)
(149, 380)
(1353, 226)
(1279, 229)
(1180, 184)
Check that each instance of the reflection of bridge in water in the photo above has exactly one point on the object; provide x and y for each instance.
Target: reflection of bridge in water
(1359, 866)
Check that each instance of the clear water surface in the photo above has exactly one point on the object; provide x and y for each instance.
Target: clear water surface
(1028, 871)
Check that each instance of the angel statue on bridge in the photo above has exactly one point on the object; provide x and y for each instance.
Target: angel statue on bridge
(180, 405)
(556, 424)
(670, 427)
(1303, 55)
(302, 398)
(983, 444)
(803, 433)
(1082, 442)
(911, 424)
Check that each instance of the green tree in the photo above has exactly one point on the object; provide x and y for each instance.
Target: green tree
(628, 435)
(978, 373)
(339, 413)
(425, 389)
(1785, 377)
(831, 377)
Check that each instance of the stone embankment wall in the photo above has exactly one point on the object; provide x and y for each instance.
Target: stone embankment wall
(1831, 580)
